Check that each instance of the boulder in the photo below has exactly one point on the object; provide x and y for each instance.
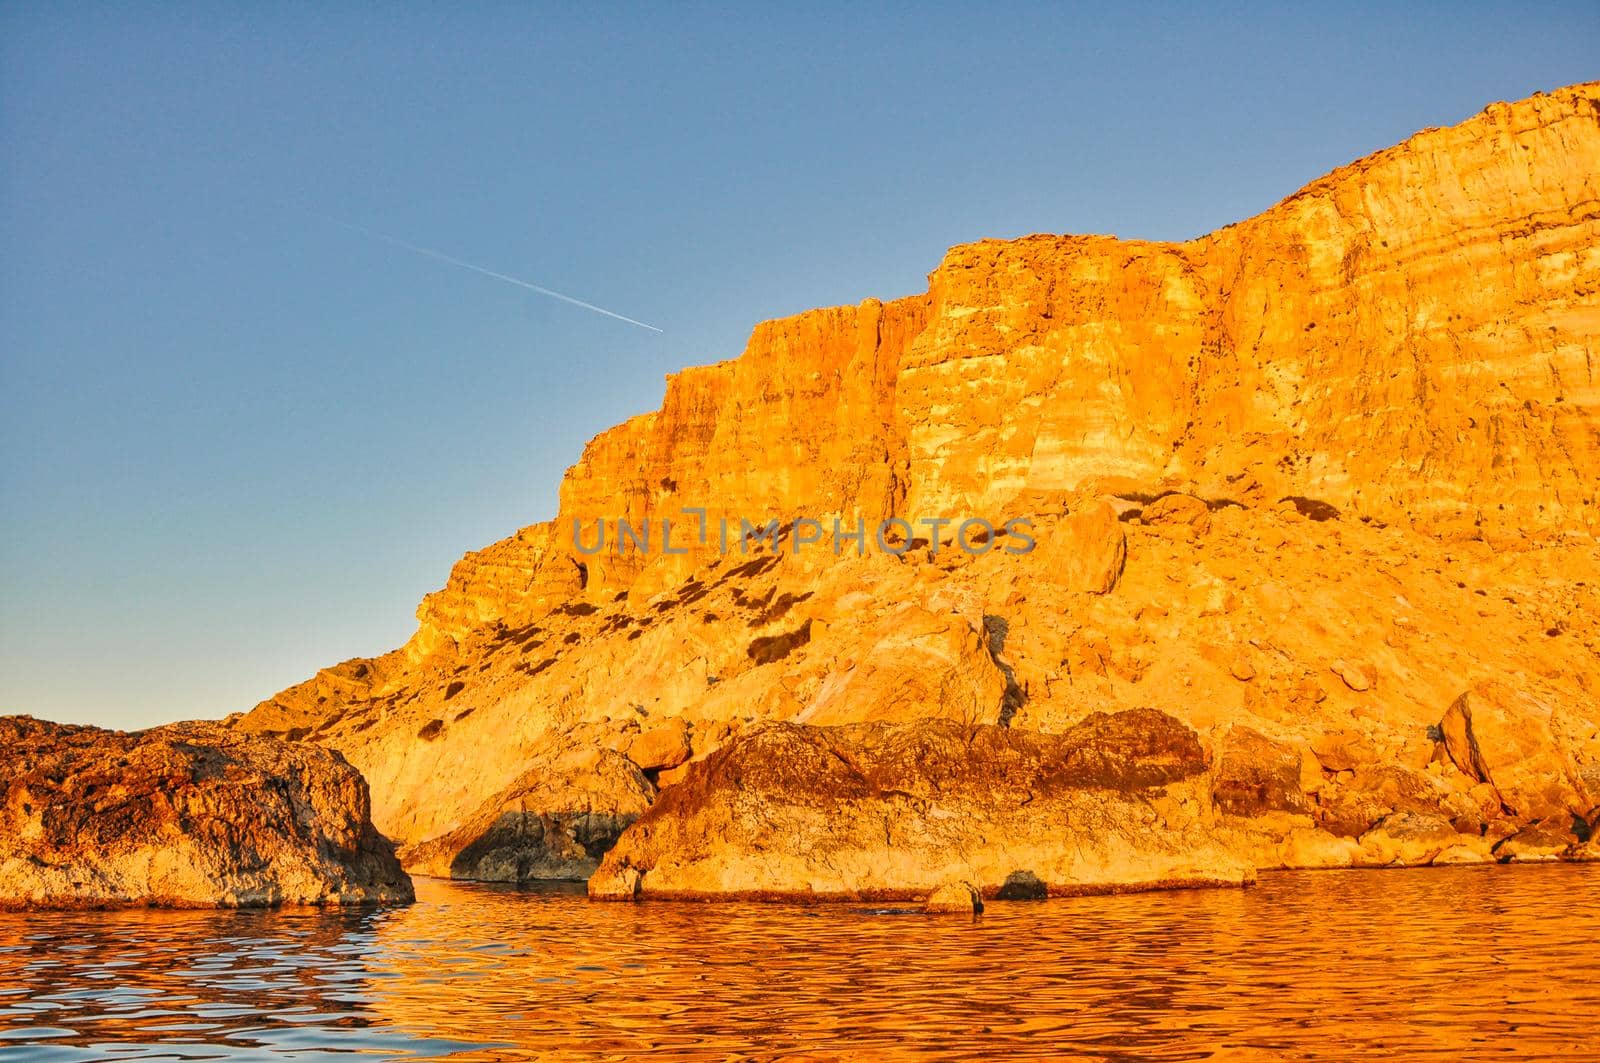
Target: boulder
(1467, 850)
(553, 823)
(1306, 847)
(1179, 511)
(1501, 736)
(1085, 551)
(1533, 845)
(665, 746)
(917, 662)
(1358, 802)
(1408, 839)
(189, 815)
(1357, 677)
(955, 898)
(1022, 886)
(620, 883)
(1256, 775)
(1583, 852)
(1344, 750)
(673, 776)
(896, 810)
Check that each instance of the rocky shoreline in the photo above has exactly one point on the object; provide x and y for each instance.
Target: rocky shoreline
(1315, 583)
(1121, 802)
(933, 812)
(189, 815)
(896, 810)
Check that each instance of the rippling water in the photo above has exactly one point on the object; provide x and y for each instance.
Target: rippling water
(1460, 963)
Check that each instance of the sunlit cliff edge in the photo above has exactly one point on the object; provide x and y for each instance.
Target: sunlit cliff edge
(1318, 490)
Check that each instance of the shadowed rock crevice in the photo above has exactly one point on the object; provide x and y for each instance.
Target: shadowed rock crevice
(539, 846)
(996, 629)
(554, 822)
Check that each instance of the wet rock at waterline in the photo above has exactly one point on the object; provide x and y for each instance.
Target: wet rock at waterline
(189, 815)
(897, 810)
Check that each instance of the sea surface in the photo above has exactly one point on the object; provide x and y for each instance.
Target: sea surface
(1446, 963)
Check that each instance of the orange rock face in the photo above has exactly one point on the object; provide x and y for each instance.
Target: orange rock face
(1114, 802)
(553, 822)
(1299, 484)
(188, 815)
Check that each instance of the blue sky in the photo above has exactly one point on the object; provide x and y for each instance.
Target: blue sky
(239, 442)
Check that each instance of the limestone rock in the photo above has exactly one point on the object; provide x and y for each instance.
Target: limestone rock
(665, 746)
(1308, 848)
(1583, 852)
(1379, 790)
(897, 810)
(917, 663)
(1354, 675)
(1410, 839)
(673, 776)
(187, 815)
(619, 883)
(1466, 850)
(1178, 510)
(1344, 750)
(1532, 845)
(1022, 886)
(955, 898)
(554, 822)
(1086, 551)
(1497, 735)
(1257, 775)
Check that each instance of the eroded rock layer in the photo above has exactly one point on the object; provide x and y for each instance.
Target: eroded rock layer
(1321, 486)
(894, 810)
(189, 815)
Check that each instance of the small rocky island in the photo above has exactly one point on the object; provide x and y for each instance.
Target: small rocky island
(190, 815)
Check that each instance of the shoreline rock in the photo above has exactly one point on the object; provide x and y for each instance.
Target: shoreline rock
(190, 815)
(894, 811)
(552, 824)
(955, 898)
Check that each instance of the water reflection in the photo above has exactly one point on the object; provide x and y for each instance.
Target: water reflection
(1462, 962)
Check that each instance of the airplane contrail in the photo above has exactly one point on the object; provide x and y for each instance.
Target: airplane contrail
(442, 257)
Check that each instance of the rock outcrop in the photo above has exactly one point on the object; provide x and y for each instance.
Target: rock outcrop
(955, 898)
(188, 815)
(553, 823)
(1300, 484)
(895, 810)
(1521, 748)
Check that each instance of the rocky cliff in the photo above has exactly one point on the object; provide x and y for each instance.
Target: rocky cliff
(1313, 485)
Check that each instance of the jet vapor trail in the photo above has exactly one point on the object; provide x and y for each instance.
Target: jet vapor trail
(442, 257)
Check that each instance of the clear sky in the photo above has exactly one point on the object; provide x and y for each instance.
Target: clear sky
(238, 442)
